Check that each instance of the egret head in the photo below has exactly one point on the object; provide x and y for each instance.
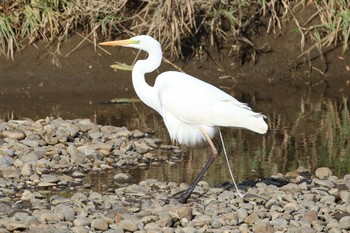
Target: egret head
(142, 42)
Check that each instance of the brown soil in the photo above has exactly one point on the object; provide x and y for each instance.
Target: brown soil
(84, 78)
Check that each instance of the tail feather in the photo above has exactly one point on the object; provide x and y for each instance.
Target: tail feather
(236, 116)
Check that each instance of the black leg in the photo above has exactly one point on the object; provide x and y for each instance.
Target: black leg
(186, 194)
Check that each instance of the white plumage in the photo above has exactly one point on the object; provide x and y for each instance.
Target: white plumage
(192, 110)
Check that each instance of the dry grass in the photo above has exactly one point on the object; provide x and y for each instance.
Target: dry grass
(184, 27)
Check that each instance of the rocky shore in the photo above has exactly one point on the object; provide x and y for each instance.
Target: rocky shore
(43, 164)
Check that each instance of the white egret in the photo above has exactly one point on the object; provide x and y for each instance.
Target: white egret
(192, 110)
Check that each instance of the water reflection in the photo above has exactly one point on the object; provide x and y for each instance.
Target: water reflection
(309, 134)
(313, 135)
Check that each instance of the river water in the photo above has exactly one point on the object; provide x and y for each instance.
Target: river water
(308, 133)
(306, 127)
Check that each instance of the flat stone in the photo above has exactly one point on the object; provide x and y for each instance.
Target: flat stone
(49, 178)
(31, 143)
(254, 198)
(46, 184)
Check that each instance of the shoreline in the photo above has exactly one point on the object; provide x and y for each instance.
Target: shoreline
(43, 165)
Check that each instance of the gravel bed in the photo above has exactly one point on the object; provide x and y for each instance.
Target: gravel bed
(43, 164)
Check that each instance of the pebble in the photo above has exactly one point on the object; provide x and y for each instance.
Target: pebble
(99, 224)
(45, 187)
(128, 225)
(344, 223)
(323, 172)
(14, 134)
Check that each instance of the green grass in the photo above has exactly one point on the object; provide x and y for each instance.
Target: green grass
(183, 27)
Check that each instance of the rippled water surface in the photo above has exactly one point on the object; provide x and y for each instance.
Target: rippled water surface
(309, 133)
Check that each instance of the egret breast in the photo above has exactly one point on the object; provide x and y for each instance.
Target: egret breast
(185, 133)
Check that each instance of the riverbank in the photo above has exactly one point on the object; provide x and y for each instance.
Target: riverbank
(43, 187)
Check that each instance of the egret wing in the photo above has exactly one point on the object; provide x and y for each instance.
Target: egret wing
(196, 102)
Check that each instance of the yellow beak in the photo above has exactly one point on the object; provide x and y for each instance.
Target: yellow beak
(118, 42)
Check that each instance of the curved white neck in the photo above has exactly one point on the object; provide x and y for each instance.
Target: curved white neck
(145, 92)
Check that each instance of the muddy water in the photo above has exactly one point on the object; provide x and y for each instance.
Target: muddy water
(306, 127)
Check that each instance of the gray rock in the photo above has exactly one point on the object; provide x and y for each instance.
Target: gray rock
(323, 173)
(50, 217)
(49, 178)
(325, 183)
(79, 197)
(327, 199)
(10, 172)
(96, 197)
(242, 214)
(27, 169)
(142, 148)
(6, 161)
(67, 211)
(16, 226)
(5, 208)
(31, 158)
(27, 195)
(344, 196)
(46, 184)
(291, 207)
(30, 142)
(14, 134)
(122, 178)
(216, 224)
(77, 174)
(82, 222)
(344, 223)
(263, 227)
(99, 224)
(128, 225)
(254, 198)
(291, 187)
(202, 220)
(279, 224)
(252, 219)
(80, 229)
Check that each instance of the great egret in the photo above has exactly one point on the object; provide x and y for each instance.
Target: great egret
(192, 110)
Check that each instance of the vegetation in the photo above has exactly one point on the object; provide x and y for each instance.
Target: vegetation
(183, 27)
